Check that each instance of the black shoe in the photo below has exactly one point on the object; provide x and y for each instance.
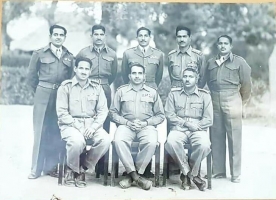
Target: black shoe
(186, 182)
(148, 175)
(53, 172)
(69, 179)
(216, 176)
(201, 184)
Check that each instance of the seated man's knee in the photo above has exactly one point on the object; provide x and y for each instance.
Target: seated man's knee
(76, 142)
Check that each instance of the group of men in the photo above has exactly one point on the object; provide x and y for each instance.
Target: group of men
(73, 102)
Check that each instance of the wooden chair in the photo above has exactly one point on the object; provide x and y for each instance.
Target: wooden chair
(134, 151)
(189, 148)
(62, 165)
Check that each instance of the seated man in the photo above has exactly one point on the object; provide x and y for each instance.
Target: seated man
(189, 112)
(137, 109)
(82, 110)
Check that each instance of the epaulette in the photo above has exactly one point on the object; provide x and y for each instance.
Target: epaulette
(151, 87)
(66, 82)
(173, 89)
(156, 49)
(203, 90)
(173, 51)
(94, 82)
(239, 57)
(197, 51)
(122, 86)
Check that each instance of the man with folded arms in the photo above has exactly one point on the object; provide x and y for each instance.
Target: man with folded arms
(82, 110)
(137, 109)
(189, 112)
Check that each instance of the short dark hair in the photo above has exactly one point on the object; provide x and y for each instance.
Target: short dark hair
(136, 65)
(79, 59)
(192, 69)
(183, 28)
(96, 27)
(225, 36)
(143, 28)
(57, 26)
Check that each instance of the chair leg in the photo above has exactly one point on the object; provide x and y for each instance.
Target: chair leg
(165, 168)
(61, 167)
(209, 171)
(157, 166)
(106, 158)
(114, 170)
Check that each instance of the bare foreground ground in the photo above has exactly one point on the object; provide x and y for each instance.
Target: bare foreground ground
(16, 138)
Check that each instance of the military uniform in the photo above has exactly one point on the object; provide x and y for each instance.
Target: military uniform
(180, 108)
(179, 61)
(79, 108)
(230, 85)
(152, 59)
(129, 105)
(104, 70)
(46, 72)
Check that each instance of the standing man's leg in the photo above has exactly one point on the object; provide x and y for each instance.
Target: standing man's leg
(233, 122)
(218, 138)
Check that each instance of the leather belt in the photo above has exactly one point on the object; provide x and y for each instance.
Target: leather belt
(48, 85)
(101, 81)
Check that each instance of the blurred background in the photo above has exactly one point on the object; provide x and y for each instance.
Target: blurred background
(25, 28)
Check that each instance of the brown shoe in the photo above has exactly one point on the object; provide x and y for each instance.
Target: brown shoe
(201, 184)
(144, 183)
(235, 179)
(33, 176)
(186, 182)
(80, 180)
(69, 179)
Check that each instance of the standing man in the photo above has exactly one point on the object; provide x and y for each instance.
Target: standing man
(48, 67)
(189, 111)
(151, 58)
(104, 68)
(229, 80)
(184, 56)
(82, 110)
(137, 109)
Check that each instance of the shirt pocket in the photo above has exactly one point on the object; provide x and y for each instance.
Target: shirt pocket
(46, 63)
(128, 103)
(108, 63)
(91, 103)
(212, 71)
(147, 104)
(196, 110)
(231, 74)
(180, 110)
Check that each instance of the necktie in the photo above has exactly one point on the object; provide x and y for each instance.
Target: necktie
(144, 50)
(58, 53)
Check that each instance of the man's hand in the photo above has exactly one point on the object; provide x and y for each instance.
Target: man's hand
(193, 126)
(131, 125)
(88, 133)
(140, 124)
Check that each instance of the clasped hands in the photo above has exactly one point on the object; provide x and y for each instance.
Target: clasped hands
(193, 126)
(137, 125)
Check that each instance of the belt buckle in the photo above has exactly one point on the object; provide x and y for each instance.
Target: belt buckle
(55, 86)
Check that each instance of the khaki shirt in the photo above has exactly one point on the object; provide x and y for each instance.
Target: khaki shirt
(47, 67)
(129, 104)
(179, 61)
(74, 101)
(196, 107)
(104, 63)
(233, 73)
(152, 60)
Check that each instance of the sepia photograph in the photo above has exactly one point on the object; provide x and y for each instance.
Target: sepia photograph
(137, 100)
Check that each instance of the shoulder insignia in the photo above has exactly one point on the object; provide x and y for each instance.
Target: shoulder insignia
(173, 89)
(66, 82)
(148, 86)
(173, 51)
(197, 51)
(156, 49)
(94, 82)
(239, 57)
(122, 86)
(203, 90)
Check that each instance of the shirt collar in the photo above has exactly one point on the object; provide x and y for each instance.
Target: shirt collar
(195, 92)
(75, 82)
(142, 48)
(92, 47)
(131, 88)
(54, 48)
(230, 56)
(188, 51)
